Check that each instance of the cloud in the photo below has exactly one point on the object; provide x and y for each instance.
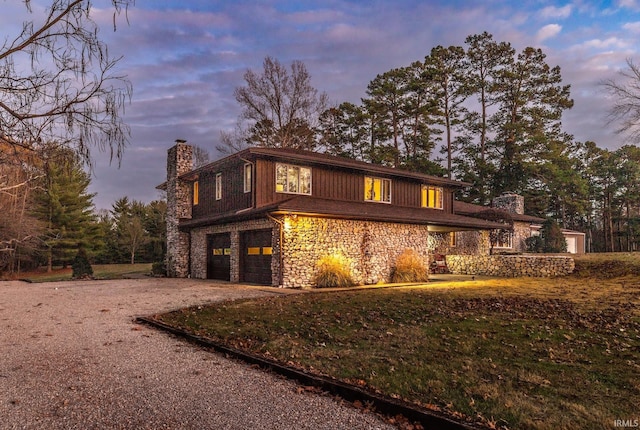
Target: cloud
(633, 27)
(548, 31)
(552, 12)
(629, 4)
(608, 43)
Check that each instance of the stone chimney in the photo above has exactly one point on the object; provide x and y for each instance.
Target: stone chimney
(511, 202)
(179, 161)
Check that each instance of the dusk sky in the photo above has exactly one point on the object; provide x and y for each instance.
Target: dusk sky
(185, 58)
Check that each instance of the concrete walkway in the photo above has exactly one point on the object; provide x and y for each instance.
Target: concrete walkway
(72, 358)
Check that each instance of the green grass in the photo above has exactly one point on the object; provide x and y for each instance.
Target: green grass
(100, 271)
(524, 353)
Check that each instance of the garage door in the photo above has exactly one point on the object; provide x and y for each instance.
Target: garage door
(219, 256)
(255, 264)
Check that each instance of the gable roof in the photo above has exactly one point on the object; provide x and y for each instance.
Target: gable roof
(470, 209)
(366, 211)
(322, 159)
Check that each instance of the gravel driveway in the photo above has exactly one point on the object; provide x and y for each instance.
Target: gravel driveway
(72, 358)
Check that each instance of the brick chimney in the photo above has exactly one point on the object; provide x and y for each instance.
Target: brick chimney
(511, 202)
(179, 161)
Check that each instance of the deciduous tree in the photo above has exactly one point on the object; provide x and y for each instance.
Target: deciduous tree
(59, 83)
(280, 106)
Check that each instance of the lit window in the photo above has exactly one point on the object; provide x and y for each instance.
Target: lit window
(196, 192)
(377, 189)
(453, 239)
(293, 179)
(431, 197)
(247, 178)
(219, 186)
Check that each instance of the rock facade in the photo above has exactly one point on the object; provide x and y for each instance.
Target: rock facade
(511, 202)
(369, 249)
(510, 266)
(199, 247)
(179, 161)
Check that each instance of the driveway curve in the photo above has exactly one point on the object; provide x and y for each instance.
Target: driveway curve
(71, 357)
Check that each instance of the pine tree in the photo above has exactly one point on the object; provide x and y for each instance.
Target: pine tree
(553, 240)
(530, 101)
(65, 206)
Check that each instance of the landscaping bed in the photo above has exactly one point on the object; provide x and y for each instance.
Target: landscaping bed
(508, 353)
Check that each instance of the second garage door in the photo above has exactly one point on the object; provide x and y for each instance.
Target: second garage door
(255, 262)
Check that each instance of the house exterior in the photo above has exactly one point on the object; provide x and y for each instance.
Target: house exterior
(268, 215)
(524, 226)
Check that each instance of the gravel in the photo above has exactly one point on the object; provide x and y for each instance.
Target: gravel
(71, 357)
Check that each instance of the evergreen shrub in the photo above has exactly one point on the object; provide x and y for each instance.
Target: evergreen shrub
(81, 267)
(159, 268)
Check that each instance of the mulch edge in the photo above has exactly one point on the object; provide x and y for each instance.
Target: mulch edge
(384, 405)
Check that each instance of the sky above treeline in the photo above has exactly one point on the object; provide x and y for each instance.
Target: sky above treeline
(185, 58)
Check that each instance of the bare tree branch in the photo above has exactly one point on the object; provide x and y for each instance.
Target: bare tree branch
(626, 108)
(59, 83)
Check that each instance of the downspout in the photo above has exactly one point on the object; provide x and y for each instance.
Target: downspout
(281, 247)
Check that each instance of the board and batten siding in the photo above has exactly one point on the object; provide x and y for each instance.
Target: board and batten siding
(233, 196)
(339, 184)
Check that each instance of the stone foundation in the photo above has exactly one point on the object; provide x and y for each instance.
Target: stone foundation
(370, 249)
(510, 266)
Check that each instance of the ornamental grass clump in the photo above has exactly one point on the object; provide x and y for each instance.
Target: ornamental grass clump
(333, 271)
(410, 268)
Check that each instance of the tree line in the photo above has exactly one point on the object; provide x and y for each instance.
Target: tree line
(482, 113)
(49, 216)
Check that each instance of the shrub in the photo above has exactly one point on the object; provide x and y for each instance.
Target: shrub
(552, 237)
(534, 244)
(333, 271)
(81, 266)
(159, 268)
(410, 268)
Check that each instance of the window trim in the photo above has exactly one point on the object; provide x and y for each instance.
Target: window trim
(218, 186)
(382, 182)
(509, 242)
(196, 193)
(287, 166)
(247, 174)
(424, 197)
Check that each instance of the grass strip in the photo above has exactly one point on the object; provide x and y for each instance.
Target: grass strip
(526, 353)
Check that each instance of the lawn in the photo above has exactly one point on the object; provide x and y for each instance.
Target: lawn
(526, 353)
(100, 271)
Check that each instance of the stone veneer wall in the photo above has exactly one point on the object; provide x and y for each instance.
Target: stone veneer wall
(199, 247)
(369, 248)
(510, 266)
(179, 161)
(510, 202)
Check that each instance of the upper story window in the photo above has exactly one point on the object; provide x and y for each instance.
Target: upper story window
(377, 189)
(431, 197)
(218, 186)
(247, 178)
(196, 193)
(293, 179)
